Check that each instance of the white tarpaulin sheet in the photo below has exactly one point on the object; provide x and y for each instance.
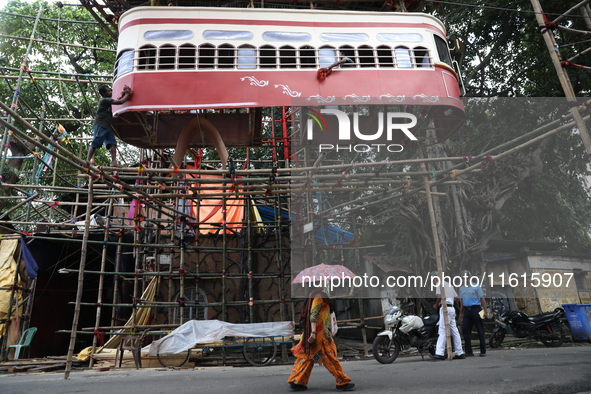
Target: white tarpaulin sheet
(205, 331)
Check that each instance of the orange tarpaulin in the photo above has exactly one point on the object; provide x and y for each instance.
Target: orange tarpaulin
(211, 210)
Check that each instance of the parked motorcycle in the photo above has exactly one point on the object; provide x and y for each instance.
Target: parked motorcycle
(545, 327)
(403, 331)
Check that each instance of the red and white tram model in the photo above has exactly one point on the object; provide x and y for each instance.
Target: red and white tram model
(179, 60)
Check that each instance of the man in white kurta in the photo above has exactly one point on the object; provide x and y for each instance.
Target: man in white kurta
(449, 294)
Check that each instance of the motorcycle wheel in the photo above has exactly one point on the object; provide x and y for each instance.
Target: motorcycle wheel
(557, 340)
(385, 350)
(496, 338)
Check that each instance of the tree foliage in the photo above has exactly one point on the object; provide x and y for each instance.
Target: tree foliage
(503, 53)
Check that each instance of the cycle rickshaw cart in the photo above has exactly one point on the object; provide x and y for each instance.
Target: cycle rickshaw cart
(258, 342)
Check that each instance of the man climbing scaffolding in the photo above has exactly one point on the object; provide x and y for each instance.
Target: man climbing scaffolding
(103, 132)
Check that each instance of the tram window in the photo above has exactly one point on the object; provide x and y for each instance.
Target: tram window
(168, 35)
(227, 35)
(366, 56)
(286, 36)
(348, 37)
(206, 56)
(307, 57)
(422, 57)
(287, 57)
(400, 37)
(385, 58)
(124, 63)
(403, 59)
(247, 57)
(187, 56)
(442, 50)
(147, 58)
(327, 56)
(268, 56)
(166, 57)
(226, 55)
(348, 51)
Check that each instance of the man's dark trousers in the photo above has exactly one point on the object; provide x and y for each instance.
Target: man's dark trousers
(472, 318)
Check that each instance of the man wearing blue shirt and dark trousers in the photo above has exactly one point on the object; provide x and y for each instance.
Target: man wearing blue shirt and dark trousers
(471, 303)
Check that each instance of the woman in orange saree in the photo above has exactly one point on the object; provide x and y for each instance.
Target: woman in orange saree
(317, 340)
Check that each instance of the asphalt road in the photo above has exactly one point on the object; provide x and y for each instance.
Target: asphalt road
(561, 370)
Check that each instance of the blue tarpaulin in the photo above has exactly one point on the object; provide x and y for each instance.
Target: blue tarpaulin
(30, 262)
(325, 234)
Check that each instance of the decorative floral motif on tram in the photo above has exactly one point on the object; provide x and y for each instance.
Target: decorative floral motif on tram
(358, 99)
(255, 82)
(288, 91)
(426, 99)
(322, 100)
(392, 99)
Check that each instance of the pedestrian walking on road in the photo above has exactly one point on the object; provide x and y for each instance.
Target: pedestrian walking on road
(471, 303)
(446, 293)
(317, 340)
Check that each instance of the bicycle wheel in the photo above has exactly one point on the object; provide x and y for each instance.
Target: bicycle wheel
(172, 360)
(259, 351)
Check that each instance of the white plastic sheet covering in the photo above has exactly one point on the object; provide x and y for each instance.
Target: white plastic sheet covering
(205, 331)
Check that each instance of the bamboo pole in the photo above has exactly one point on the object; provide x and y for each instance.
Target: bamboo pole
(117, 278)
(181, 272)
(575, 7)
(224, 260)
(586, 11)
(83, 254)
(64, 120)
(17, 206)
(437, 249)
(157, 252)
(249, 260)
(138, 269)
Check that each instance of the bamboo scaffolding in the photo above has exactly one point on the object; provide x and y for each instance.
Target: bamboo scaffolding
(99, 300)
(254, 183)
(68, 157)
(58, 79)
(15, 98)
(64, 120)
(57, 43)
(48, 19)
(563, 76)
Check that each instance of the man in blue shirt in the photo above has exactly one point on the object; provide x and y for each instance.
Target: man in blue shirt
(471, 303)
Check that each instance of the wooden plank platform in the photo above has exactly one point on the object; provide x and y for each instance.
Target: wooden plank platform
(37, 365)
